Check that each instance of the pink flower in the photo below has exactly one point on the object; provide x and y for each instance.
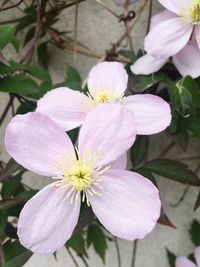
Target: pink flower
(107, 82)
(184, 262)
(171, 36)
(186, 60)
(126, 203)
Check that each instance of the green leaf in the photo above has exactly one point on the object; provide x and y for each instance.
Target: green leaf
(43, 55)
(72, 74)
(173, 170)
(195, 233)
(15, 254)
(10, 186)
(11, 231)
(19, 85)
(26, 107)
(97, 238)
(73, 135)
(147, 81)
(3, 221)
(6, 34)
(139, 150)
(171, 258)
(77, 243)
(40, 73)
(29, 35)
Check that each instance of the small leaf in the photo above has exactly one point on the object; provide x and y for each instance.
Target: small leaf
(171, 258)
(43, 55)
(39, 73)
(173, 170)
(10, 186)
(3, 221)
(26, 107)
(97, 238)
(139, 150)
(6, 34)
(15, 254)
(19, 85)
(195, 233)
(77, 243)
(29, 35)
(72, 74)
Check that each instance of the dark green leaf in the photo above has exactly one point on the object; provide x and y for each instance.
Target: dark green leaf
(11, 231)
(97, 238)
(173, 170)
(29, 35)
(43, 56)
(195, 233)
(11, 167)
(19, 85)
(147, 81)
(40, 73)
(10, 186)
(72, 74)
(26, 107)
(77, 243)
(171, 258)
(15, 254)
(6, 34)
(139, 150)
(3, 221)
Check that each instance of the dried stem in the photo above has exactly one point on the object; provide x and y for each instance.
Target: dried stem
(72, 257)
(107, 8)
(126, 23)
(150, 15)
(167, 149)
(135, 244)
(5, 112)
(118, 251)
(12, 6)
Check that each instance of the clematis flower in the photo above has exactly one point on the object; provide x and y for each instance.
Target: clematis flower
(186, 60)
(172, 35)
(107, 82)
(184, 262)
(126, 203)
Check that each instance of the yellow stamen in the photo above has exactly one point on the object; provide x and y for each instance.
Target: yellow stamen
(191, 13)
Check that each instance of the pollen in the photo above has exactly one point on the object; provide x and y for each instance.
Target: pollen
(191, 13)
(80, 175)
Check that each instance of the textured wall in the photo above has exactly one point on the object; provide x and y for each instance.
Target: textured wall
(97, 30)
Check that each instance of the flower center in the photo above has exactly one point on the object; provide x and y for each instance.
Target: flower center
(80, 174)
(103, 97)
(192, 13)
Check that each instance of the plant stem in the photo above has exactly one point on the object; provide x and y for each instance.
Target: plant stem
(12, 6)
(118, 251)
(135, 244)
(72, 257)
(6, 109)
(150, 15)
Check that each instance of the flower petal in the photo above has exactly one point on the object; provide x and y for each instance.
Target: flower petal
(147, 64)
(152, 113)
(112, 136)
(197, 33)
(175, 5)
(108, 76)
(128, 205)
(65, 106)
(47, 220)
(184, 262)
(120, 163)
(160, 17)
(197, 255)
(168, 38)
(37, 143)
(187, 60)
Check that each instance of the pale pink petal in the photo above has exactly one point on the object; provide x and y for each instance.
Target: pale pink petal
(175, 6)
(147, 64)
(197, 255)
(112, 136)
(197, 33)
(128, 204)
(152, 113)
(37, 143)
(65, 106)
(168, 38)
(108, 76)
(160, 17)
(188, 59)
(184, 262)
(47, 220)
(120, 163)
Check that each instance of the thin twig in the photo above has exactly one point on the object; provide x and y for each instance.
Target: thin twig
(149, 16)
(167, 149)
(84, 260)
(75, 32)
(72, 257)
(107, 8)
(126, 23)
(9, 21)
(135, 244)
(12, 6)
(6, 110)
(118, 251)
(60, 8)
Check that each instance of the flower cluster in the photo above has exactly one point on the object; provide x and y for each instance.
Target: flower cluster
(126, 203)
(175, 32)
